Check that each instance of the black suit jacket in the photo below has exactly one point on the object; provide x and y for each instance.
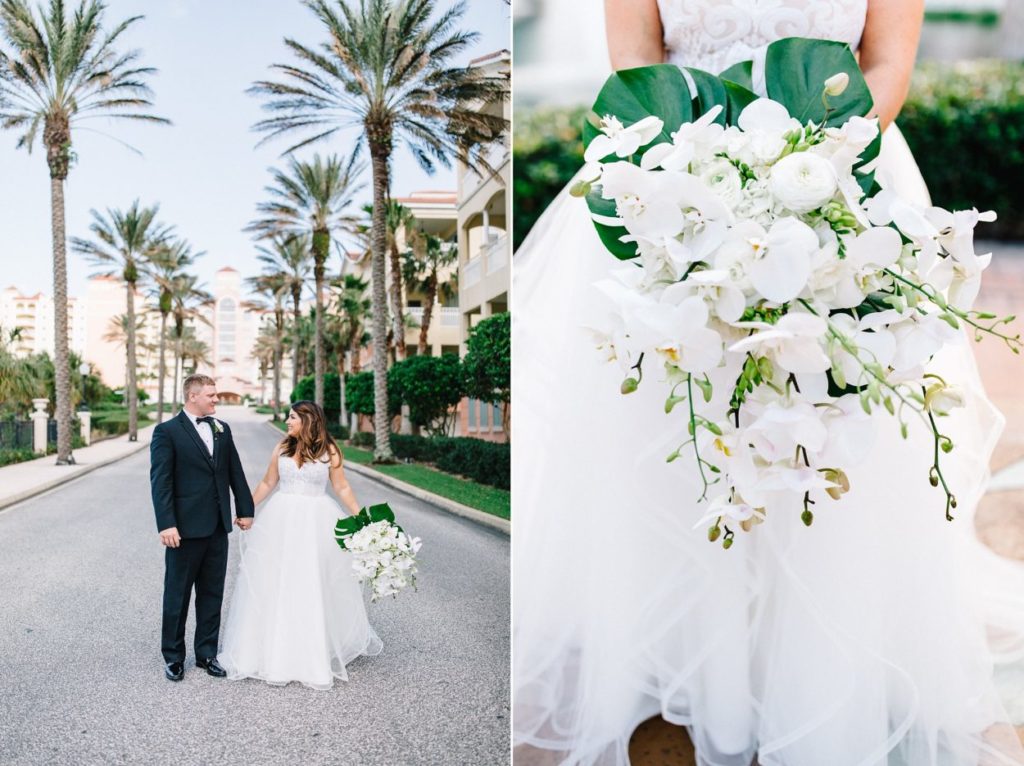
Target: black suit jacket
(190, 487)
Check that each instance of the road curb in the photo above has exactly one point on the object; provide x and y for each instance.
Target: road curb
(7, 502)
(445, 504)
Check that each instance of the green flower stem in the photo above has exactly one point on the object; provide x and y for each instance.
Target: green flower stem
(937, 468)
(693, 433)
(932, 294)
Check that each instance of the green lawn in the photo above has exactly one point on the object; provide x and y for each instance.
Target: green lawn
(497, 502)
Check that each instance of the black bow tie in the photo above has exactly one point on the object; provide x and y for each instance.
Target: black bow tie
(208, 420)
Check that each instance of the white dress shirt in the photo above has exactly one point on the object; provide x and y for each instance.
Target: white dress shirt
(205, 432)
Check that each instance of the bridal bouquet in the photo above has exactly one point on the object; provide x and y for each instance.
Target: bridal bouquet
(756, 239)
(382, 553)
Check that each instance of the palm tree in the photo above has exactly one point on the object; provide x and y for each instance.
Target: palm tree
(19, 378)
(56, 72)
(188, 300)
(423, 266)
(386, 67)
(311, 198)
(193, 350)
(163, 268)
(273, 286)
(352, 308)
(291, 258)
(123, 243)
(398, 217)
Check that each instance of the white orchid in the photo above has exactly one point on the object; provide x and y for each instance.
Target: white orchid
(725, 507)
(620, 140)
(679, 334)
(690, 139)
(794, 343)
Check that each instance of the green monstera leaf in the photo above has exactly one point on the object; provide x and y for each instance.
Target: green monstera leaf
(795, 72)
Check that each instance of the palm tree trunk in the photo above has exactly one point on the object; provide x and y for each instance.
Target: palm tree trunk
(132, 391)
(381, 416)
(428, 312)
(278, 355)
(179, 364)
(397, 309)
(161, 369)
(296, 345)
(321, 249)
(342, 410)
(61, 362)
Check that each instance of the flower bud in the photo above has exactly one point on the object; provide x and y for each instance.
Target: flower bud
(838, 477)
(629, 385)
(727, 543)
(807, 518)
(714, 533)
(580, 189)
(837, 84)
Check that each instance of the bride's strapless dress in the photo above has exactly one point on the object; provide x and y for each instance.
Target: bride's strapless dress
(297, 613)
(869, 638)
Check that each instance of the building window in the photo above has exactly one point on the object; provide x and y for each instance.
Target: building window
(471, 408)
(496, 417)
(226, 325)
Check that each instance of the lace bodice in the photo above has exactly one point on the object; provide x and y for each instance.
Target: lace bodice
(715, 34)
(310, 480)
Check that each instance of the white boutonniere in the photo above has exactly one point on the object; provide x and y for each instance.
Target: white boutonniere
(217, 427)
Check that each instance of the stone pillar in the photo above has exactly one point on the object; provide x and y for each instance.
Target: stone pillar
(39, 420)
(85, 417)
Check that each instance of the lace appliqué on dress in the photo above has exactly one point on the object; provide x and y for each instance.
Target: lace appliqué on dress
(715, 34)
(310, 480)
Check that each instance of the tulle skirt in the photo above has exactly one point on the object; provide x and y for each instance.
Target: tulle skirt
(868, 638)
(297, 613)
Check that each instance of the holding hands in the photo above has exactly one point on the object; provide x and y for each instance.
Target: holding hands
(243, 523)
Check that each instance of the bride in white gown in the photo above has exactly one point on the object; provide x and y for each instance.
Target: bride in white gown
(297, 613)
(868, 638)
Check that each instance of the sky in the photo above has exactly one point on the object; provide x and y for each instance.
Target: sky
(205, 170)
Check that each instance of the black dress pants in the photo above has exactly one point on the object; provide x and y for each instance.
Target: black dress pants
(199, 562)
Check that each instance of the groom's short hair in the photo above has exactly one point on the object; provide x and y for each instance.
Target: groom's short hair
(192, 382)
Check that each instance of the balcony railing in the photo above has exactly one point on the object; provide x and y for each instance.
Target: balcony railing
(496, 253)
(472, 271)
(448, 316)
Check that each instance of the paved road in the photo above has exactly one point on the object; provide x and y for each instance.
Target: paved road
(81, 679)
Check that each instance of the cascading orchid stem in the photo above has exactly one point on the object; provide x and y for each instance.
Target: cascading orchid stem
(929, 292)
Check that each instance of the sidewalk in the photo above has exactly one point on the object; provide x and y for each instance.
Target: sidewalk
(20, 481)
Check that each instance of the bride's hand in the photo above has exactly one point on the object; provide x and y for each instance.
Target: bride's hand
(244, 523)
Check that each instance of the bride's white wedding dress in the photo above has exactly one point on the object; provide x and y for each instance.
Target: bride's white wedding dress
(297, 613)
(868, 638)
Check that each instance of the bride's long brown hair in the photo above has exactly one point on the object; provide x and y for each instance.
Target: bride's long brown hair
(313, 441)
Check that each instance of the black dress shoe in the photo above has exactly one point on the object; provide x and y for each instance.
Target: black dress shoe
(175, 671)
(212, 667)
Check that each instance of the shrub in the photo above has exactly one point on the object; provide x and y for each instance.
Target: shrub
(487, 366)
(483, 462)
(964, 121)
(432, 386)
(306, 390)
(359, 394)
(364, 439)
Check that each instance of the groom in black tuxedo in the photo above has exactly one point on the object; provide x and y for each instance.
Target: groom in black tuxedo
(193, 467)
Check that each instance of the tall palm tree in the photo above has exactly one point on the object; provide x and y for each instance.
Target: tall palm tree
(351, 310)
(312, 198)
(386, 66)
(274, 287)
(291, 258)
(56, 71)
(20, 382)
(123, 242)
(194, 350)
(164, 267)
(188, 301)
(429, 257)
(397, 218)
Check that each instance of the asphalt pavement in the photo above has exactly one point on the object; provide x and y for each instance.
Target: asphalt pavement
(81, 677)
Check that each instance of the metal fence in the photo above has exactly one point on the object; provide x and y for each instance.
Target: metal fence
(17, 434)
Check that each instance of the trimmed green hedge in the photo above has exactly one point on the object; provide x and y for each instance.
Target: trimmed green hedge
(482, 461)
(964, 121)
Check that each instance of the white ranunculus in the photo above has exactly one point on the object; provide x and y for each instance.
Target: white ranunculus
(622, 141)
(724, 180)
(803, 181)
